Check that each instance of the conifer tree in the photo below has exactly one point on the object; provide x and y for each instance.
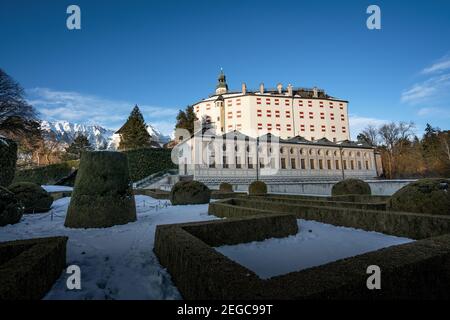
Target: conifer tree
(79, 144)
(134, 134)
(186, 119)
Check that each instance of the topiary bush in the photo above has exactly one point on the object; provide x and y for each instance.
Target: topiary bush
(102, 196)
(11, 209)
(351, 186)
(32, 196)
(225, 187)
(257, 188)
(8, 158)
(189, 192)
(423, 196)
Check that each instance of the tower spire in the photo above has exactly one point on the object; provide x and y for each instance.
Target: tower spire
(222, 86)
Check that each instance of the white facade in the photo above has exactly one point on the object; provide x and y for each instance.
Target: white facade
(286, 113)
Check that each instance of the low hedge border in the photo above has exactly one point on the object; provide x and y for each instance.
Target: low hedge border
(417, 270)
(402, 224)
(29, 268)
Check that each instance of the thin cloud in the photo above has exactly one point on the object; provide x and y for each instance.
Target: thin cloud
(434, 112)
(439, 66)
(358, 124)
(90, 109)
(431, 89)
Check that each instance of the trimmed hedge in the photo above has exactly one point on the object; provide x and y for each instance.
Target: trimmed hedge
(225, 187)
(350, 186)
(8, 158)
(29, 268)
(430, 196)
(102, 196)
(147, 161)
(189, 192)
(11, 209)
(32, 196)
(257, 188)
(48, 174)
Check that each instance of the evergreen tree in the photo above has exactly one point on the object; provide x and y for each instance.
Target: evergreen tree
(134, 134)
(186, 119)
(74, 150)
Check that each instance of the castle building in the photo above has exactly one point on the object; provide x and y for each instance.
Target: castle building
(285, 112)
(280, 136)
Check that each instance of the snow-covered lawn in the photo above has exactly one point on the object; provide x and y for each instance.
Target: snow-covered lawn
(51, 188)
(315, 244)
(116, 262)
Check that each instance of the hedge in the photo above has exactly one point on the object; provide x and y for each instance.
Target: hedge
(147, 161)
(8, 158)
(48, 174)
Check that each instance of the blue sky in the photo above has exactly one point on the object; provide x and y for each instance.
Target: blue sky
(164, 55)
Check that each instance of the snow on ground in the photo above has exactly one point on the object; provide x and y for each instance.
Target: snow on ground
(315, 244)
(116, 262)
(51, 188)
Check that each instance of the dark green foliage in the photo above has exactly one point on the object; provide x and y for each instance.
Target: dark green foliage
(8, 158)
(186, 119)
(225, 187)
(79, 145)
(29, 268)
(10, 208)
(257, 188)
(350, 186)
(134, 134)
(423, 196)
(47, 175)
(102, 196)
(32, 196)
(189, 192)
(147, 161)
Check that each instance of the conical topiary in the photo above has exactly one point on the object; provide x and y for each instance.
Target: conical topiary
(102, 196)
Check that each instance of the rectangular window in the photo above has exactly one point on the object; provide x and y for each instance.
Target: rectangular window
(225, 164)
(283, 163)
(259, 126)
(292, 163)
(311, 164)
(359, 165)
(239, 126)
(329, 164)
(333, 128)
(249, 163)
(323, 128)
(302, 115)
(344, 164)
(277, 102)
(269, 113)
(302, 127)
(238, 102)
(320, 164)
(238, 114)
(337, 164)
(352, 165)
(261, 163)
(331, 105)
(277, 113)
(208, 107)
(286, 102)
(302, 163)
(367, 165)
(238, 163)
(342, 117)
(230, 115)
(322, 115)
(288, 114)
(259, 113)
(269, 126)
(268, 101)
(311, 115)
(300, 103)
(344, 130)
(311, 128)
(288, 127)
(258, 100)
(278, 126)
(331, 116)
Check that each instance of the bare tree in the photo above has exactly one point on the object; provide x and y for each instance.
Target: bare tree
(370, 135)
(17, 117)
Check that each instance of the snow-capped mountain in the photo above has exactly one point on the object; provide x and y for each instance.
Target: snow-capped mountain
(100, 138)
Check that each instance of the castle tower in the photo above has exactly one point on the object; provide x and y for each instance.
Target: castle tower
(222, 86)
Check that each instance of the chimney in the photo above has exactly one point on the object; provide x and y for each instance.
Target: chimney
(279, 88)
(289, 89)
(244, 88)
(261, 88)
(315, 92)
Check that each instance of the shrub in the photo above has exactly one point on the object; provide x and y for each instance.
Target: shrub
(10, 208)
(257, 188)
(225, 187)
(8, 158)
(423, 196)
(147, 161)
(48, 174)
(350, 186)
(189, 192)
(102, 196)
(32, 196)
